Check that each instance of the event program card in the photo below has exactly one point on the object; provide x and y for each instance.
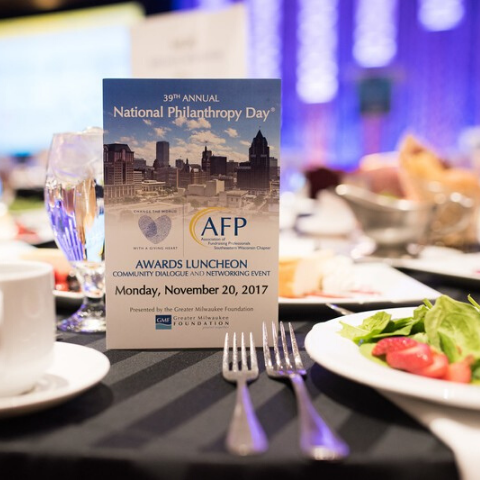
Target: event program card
(191, 210)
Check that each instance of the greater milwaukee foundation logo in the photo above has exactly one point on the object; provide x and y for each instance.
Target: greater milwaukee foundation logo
(163, 322)
(214, 223)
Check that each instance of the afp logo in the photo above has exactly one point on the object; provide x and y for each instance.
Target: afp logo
(215, 222)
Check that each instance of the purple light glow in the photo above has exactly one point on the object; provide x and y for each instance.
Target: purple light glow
(317, 67)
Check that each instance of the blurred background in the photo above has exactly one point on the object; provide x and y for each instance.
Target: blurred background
(357, 75)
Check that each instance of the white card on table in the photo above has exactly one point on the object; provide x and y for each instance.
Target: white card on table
(191, 210)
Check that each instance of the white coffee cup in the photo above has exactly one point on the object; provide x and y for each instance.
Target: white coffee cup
(27, 324)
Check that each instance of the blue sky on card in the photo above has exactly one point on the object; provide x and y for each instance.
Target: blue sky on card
(188, 136)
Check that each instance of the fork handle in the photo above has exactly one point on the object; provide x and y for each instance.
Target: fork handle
(245, 434)
(317, 440)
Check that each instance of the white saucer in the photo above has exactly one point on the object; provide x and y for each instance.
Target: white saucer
(74, 370)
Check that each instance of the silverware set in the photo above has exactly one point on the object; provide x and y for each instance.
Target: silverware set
(245, 434)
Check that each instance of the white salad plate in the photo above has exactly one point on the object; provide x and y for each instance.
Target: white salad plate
(375, 283)
(454, 264)
(74, 370)
(340, 355)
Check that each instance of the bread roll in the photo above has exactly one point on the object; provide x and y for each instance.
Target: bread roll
(320, 272)
(424, 176)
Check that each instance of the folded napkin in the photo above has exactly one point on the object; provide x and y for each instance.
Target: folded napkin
(458, 428)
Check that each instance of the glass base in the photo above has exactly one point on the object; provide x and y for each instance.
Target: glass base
(89, 318)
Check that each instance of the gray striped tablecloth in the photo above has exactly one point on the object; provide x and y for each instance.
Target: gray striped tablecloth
(163, 415)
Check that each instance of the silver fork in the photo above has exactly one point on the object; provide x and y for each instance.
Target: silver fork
(317, 440)
(339, 309)
(245, 434)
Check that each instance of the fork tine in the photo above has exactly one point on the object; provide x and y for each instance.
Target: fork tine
(285, 347)
(234, 353)
(244, 354)
(278, 361)
(225, 355)
(253, 355)
(295, 352)
(266, 348)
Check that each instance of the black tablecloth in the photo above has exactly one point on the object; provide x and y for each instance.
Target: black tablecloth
(163, 414)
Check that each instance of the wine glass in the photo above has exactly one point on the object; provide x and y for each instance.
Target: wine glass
(74, 202)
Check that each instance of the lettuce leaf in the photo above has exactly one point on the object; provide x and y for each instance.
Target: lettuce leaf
(454, 328)
(476, 372)
(370, 327)
(381, 325)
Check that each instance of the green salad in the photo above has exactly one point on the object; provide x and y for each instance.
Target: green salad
(450, 329)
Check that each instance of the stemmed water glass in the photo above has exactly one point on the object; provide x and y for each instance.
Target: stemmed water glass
(74, 202)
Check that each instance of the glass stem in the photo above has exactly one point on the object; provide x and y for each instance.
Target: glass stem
(93, 305)
(92, 279)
